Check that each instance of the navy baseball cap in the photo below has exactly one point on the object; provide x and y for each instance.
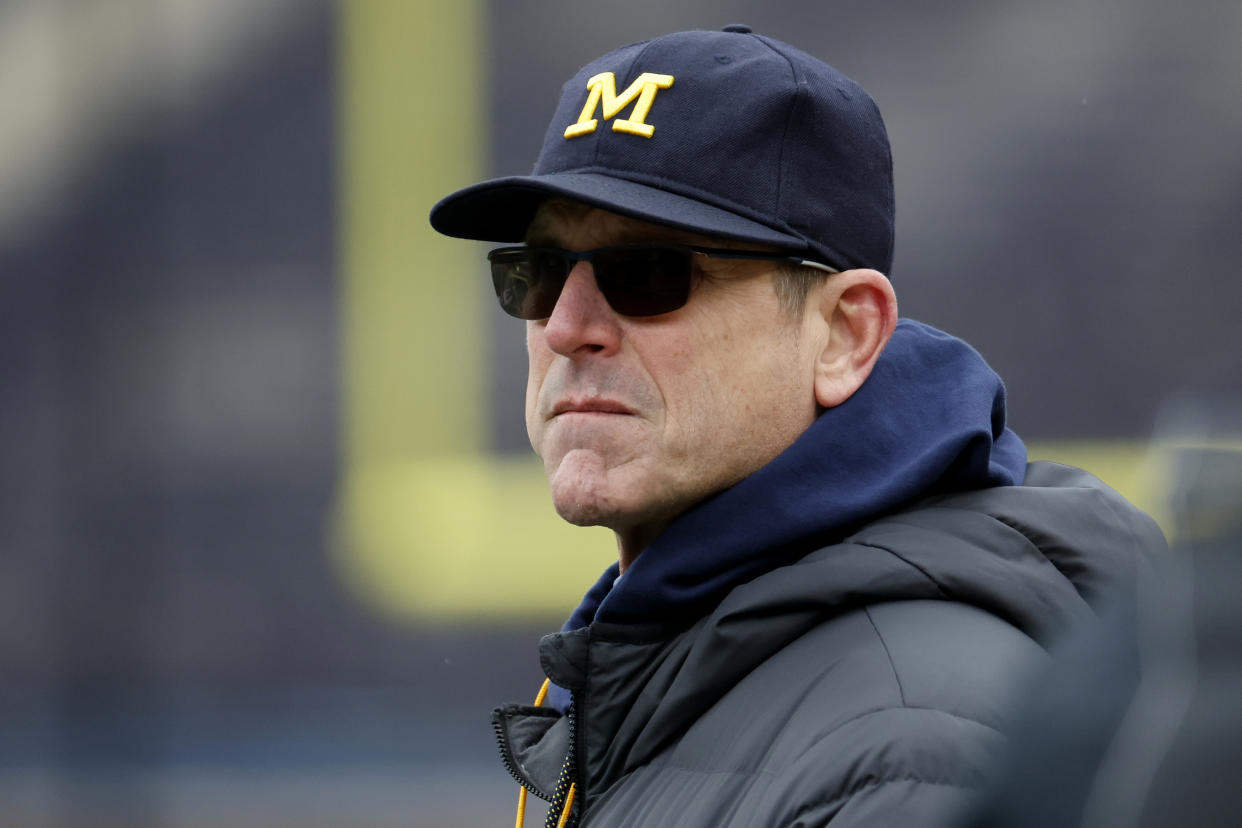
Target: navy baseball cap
(729, 134)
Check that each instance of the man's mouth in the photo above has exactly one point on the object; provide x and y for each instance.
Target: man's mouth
(590, 406)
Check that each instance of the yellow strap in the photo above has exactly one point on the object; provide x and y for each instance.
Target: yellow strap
(569, 804)
(543, 693)
(521, 814)
(521, 809)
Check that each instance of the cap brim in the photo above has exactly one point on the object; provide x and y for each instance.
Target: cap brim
(501, 210)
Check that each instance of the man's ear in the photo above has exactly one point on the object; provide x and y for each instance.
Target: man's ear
(859, 309)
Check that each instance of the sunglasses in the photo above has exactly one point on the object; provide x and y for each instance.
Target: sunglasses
(636, 279)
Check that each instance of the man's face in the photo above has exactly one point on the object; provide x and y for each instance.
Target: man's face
(639, 418)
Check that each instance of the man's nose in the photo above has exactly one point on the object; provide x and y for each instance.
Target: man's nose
(582, 321)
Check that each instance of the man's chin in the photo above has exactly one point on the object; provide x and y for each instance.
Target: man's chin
(582, 490)
(583, 505)
(577, 515)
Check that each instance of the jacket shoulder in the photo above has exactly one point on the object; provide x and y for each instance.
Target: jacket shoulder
(947, 660)
(954, 657)
(939, 708)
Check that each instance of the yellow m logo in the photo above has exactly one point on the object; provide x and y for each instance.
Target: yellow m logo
(603, 89)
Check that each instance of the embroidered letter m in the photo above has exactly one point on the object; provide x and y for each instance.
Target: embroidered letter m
(603, 90)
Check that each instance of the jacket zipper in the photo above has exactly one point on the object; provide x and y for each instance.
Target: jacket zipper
(574, 765)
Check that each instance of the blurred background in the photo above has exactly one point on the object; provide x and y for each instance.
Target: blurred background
(272, 543)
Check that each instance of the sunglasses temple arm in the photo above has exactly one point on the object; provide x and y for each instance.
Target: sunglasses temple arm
(816, 265)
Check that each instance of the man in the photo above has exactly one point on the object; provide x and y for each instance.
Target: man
(834, 561)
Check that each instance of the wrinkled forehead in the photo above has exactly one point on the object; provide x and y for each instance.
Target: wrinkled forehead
(574, 225)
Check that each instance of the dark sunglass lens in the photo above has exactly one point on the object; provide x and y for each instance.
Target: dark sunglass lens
(644, 281)
(528, 282)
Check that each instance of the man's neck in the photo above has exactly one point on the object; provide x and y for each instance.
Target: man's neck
(632, 542)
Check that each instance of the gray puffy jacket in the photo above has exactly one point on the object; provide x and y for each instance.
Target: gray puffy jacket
(865, 684)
